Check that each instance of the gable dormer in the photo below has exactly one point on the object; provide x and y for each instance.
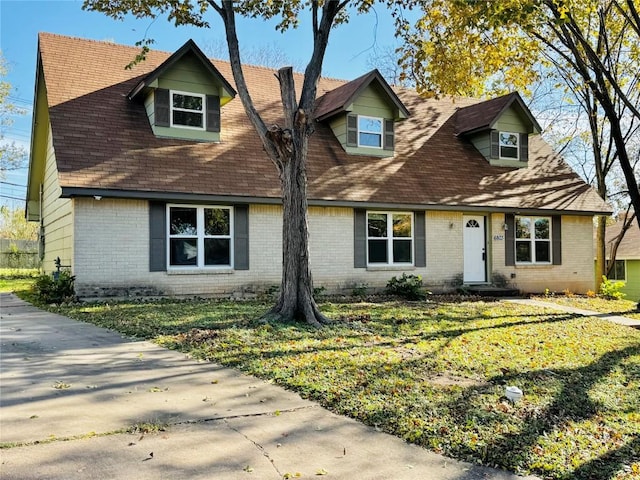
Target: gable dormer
(499, 128)
(362, 115)
(183, 96)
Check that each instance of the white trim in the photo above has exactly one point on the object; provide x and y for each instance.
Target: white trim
(532, 240)
(381, 133)
(517, 146)
(389, 239)
(200, 238)
(203, 111)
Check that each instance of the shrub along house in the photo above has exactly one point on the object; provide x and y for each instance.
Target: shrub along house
(151, 181)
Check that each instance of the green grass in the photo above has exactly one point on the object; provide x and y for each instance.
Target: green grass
(434, 374)
(13, 280)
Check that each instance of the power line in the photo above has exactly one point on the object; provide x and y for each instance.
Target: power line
(13, 184)
(12, 197)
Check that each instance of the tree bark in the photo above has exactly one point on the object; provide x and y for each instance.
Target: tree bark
(287, 148)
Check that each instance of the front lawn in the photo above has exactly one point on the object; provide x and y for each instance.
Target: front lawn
(434, 374)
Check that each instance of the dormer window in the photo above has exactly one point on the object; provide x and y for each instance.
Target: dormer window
(187, 110)
(370, 132)
(509, 145)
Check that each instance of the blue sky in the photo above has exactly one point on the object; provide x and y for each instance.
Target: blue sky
(350, 46)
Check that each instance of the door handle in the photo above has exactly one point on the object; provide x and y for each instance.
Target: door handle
(484, 255)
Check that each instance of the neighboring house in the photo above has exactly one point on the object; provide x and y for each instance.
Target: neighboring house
(627, 267)
(152, 181)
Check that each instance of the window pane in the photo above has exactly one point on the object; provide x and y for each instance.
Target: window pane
(377, 223)
(542, 228)
(523, 228)
(402, 225)
(184, 251)
(216, 221)
(508, 152)
(189, 119)
(366, 124)
(543, 252)
(523, 251)
(402, 251)
(183, 221)
(370, 139)
(378, 251)
(187, 101)
(217, 251)
(508, 139)
(619, 270)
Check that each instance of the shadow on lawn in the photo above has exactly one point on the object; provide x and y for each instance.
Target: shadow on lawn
(572, 403)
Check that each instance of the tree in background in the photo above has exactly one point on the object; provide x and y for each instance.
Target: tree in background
(12, 156)
(14, 225)
(287, 144)
(469, 47)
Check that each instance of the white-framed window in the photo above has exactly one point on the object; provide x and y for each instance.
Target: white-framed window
(199, 236)
(370, 131)
(619, 271)
(389, 238)
(533, 240)
(187, 110)
(509, 145)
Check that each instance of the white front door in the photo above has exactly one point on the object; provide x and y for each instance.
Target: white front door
(475, 256)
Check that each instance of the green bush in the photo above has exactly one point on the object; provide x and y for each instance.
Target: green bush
(407, 286)
(610, 289)
(51, 289)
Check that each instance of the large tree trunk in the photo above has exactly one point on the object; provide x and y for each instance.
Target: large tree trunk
(601, 259)
(296, 293)
(287, 147)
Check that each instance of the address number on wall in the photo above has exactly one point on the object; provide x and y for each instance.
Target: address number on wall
(498, 237)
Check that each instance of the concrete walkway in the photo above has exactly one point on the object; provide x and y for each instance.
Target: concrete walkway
(629, 322)
(70, 390)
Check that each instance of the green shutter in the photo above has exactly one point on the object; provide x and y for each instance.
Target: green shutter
(352, 130)
(510, 240)
(157, 237)
(360, 238)
(419, 236)
(241, 237)
(524, 147)
(213, 113)
(495, 144)
(388, 135)
(556, 239)
(161, 107)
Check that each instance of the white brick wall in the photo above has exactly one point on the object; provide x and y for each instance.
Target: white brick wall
(112, 242)
(576, 272)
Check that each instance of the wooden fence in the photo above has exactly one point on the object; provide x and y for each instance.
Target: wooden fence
(19, 253)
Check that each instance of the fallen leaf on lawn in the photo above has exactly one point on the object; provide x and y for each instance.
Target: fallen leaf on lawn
(322, 471)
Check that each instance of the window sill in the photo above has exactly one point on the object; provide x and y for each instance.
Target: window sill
(391, 268)
(533, 265)
(200, 271)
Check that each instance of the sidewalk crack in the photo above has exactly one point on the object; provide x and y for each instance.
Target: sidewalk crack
(262, 450)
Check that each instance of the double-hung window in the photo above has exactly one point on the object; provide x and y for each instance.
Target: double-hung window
(389, 238)
(370, 131)
(200, 236)
(618, 272)
(187, 110)
(509, 144)
(533, 240)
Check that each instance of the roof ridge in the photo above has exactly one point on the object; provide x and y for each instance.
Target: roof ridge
(157, 50)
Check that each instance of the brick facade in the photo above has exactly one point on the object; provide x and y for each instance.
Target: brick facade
(112, 254)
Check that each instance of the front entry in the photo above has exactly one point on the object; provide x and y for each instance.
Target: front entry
(475, 255)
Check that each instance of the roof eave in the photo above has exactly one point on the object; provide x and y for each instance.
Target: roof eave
(189, 46)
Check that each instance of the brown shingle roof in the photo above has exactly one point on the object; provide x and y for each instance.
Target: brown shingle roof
(629, 248)
(483, 115)
(102, 140)
(338, 99)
